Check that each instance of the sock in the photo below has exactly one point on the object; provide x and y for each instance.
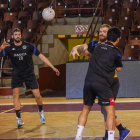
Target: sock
(106, 133)
(79, 131)
(111, 135)
(120, 127)
(40, 107)
(18, 113)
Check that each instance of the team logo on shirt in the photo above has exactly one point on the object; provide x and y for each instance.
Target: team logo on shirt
(24, 47)
(13, 49)
(112, 102)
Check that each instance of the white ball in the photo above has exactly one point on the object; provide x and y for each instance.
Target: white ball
(48, 14)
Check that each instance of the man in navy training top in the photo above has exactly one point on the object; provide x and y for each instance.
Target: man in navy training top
(20, 53)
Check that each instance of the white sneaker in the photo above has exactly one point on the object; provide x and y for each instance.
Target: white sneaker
(19, 122)
(42, 117)
(79, 138)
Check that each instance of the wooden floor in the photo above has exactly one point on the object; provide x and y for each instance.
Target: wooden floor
(62, 115)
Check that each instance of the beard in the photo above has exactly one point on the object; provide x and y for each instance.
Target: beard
(17, 41)
(103, 39)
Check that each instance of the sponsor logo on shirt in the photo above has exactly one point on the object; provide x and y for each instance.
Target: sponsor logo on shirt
(20, 55)
(24, 47)
(104, 48)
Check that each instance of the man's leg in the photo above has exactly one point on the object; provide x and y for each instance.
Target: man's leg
(17, 106)
(37, 95)
(38, 98)
(82, 120)
(118, 125)
(16, 100)
(110, 121)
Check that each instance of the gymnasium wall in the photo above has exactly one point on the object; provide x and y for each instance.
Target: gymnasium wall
(129, 79)
(58, 54)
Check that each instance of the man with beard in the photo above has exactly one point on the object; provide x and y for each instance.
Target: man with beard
(20, 53)
(87, 49)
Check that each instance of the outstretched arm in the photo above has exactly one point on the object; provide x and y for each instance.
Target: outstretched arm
(46, 61)
(80, 49)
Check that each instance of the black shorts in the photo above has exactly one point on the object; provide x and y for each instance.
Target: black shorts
(115, 87)
(28, 78)
(101, 88)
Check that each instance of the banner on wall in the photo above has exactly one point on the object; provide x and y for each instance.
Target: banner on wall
(81, 29)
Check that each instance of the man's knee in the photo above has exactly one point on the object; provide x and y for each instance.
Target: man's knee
(38, 96)
(15, 94)
(86, 109)
(36, 93)
(110, 109)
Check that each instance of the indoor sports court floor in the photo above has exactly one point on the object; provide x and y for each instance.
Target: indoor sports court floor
(62, 115)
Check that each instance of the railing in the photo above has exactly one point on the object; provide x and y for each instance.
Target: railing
(39, 41)
(39, 30)
(90, 28)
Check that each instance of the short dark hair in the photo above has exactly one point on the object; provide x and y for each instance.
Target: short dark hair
(16, 30)
(113, 34)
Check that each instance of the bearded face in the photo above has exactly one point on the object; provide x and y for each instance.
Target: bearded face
(17, 37)
(103, 34)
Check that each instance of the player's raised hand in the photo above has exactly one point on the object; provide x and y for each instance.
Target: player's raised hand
(57, 71)
(74, 52)
(4, 44)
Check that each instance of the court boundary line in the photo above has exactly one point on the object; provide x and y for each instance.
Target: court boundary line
(8, 110)
(126, 101)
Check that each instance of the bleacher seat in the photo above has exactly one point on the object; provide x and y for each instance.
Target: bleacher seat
(3, 1)
(115, 3)
(113, 12)
(32, 24)
(37, 15)
(9, 36)
(6, 72)
(125, 21)
(127, 12)
(10, 16)
(131, 52)
(24, 15)
(112, 21)
(21, 24)
(137, 17)
(42, 5)
(27, 34)
(129, 3)
(15, 5)
(29, 5)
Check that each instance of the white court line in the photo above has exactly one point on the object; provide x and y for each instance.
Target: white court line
(126, 101)
(8, 110)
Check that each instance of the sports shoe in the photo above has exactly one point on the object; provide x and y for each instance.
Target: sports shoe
(19, 122)
(42, 117)
(79, 138)
(124, 133)
(104, 138)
